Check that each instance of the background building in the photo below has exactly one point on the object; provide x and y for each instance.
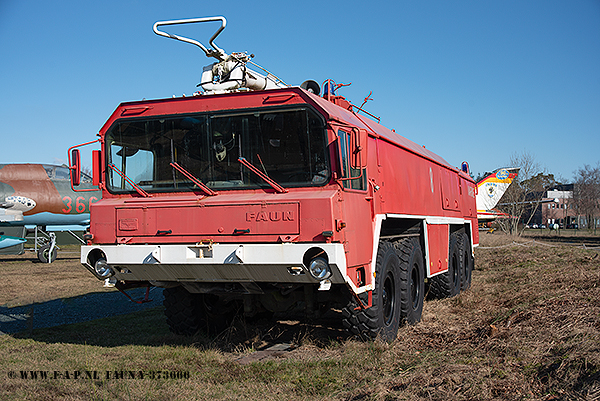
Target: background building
(558, 207)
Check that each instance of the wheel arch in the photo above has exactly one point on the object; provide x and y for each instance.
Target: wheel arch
(392, 227)
(396, 226)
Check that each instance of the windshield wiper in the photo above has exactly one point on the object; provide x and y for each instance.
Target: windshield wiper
(135, 186)
(196, 181)
(278, 188)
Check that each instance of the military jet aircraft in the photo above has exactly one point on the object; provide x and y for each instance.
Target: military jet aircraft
(40, 196)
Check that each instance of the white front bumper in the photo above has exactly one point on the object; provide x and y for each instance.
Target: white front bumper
(216, 262)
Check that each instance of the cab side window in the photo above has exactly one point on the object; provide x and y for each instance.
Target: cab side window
(353, 178)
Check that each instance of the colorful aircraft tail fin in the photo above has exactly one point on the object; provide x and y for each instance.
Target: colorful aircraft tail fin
(492, 187)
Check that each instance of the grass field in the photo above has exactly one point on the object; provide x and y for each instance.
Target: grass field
(25, 280)
(529, 328)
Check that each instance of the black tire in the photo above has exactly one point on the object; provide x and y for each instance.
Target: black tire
(467, 262)
(182, 311)
(43, 254)
(188, 314)
(448, 284)
(383, 318)
(412, 280)
(218, 312)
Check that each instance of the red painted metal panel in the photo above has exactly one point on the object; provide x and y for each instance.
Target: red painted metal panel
(254, 219)
(475, 232)
(102, 219)
(437, 243)
(358, 228)
(408, 183)
(301, 215)
(450, 190)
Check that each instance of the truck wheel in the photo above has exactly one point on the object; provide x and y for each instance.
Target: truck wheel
(43, 254)
(412, 279)
(189, 313)
(383, 318)
(217, 312)
(447, 284)
(467, 262)
(182, 311)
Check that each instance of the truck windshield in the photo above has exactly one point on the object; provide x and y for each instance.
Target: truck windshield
(289, 146)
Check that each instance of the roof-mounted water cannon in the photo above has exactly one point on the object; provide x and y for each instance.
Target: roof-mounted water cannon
(230, 72)
(215, 52)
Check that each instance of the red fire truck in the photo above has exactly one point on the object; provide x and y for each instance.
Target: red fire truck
(260, 197)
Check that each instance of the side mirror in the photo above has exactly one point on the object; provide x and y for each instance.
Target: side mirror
(96, 167)
(75, 166)
(358, 148)
(73, 154)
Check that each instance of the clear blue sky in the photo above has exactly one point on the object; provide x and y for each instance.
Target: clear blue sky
(470, 80)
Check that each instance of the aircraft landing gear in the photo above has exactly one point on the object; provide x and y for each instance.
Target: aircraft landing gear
(47, 252)
(45, 245)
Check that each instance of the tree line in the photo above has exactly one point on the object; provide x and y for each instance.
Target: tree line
(586, 193)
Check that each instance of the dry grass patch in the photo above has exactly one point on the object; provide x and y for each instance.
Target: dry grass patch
(25, 280)
(529, 328)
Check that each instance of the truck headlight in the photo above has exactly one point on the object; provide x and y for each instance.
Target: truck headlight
(319, 268)
(102, 268)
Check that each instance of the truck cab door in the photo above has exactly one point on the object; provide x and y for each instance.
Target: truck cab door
(357, 223)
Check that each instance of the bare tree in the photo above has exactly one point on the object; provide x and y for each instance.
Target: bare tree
(525, 194)
(586, 193)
